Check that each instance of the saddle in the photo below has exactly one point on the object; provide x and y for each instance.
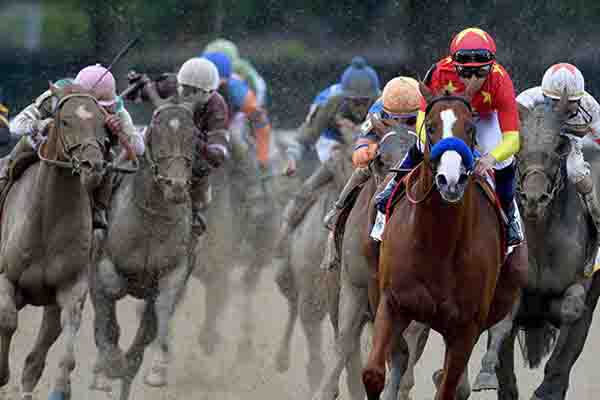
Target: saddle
(16, 168)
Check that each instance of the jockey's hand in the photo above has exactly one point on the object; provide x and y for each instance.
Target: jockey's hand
(290, 168)
(484, 164)
(40, 127)
(113, 123)
(362, 156)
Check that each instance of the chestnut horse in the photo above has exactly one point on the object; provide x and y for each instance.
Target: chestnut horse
(442, 251)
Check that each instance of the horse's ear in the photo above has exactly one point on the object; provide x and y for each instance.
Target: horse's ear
(56, 91)
(425, 92)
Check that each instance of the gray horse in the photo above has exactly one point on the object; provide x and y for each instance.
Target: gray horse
(558, 299)
(309, 290)
(351, 306)
(146, 252)
(241, 219)
(47, 238)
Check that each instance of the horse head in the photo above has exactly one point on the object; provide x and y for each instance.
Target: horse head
(448, 132)
(170, 147)
(77, 140)
(543, 151)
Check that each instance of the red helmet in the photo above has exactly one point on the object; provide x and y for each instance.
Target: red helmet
(473, 47)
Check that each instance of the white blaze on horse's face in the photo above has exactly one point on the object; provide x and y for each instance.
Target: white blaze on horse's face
(448, 119)
(174, 124)
(83, 113)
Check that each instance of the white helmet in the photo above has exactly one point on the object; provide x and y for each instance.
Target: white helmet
(561, 77)
(199, 73)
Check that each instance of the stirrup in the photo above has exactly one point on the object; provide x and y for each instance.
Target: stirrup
(331, 218)
(378, 227)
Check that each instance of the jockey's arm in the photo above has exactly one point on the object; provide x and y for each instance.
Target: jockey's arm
(216, 129)
(508, 118)
(261, 126)
(256, 82)
(26, 123)
(136, 140)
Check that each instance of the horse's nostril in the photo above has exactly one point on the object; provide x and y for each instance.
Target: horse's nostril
(441, 180)
(463, 178)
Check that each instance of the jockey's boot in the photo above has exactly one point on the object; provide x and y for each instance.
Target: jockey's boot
(412, 158)
(101, 202)
(23, 146)
(200, 194)
(358, 177)
(505, 187)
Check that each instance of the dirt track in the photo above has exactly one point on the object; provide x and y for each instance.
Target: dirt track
(195, 376)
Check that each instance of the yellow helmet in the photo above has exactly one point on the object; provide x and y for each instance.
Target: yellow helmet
(401, 95)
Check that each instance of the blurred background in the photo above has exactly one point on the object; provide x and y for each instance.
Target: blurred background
(299, 46)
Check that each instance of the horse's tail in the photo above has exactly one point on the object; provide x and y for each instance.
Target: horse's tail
(536, 342)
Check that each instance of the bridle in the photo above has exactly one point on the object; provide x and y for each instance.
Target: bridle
(153, 162)
(72, 162)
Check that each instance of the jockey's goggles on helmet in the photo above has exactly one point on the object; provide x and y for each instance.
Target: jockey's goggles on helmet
(478, 72)
(554, 100)
(358, 101)
(473, 57)
(409, 119)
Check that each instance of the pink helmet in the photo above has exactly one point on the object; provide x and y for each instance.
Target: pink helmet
(100, 81)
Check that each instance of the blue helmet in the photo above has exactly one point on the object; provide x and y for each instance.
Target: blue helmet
(360, 80)
(221, 61)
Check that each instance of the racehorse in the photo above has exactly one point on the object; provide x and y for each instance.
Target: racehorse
(350, 306)
(47, 236)
(558, 299)
(147, 251)
(442, 251)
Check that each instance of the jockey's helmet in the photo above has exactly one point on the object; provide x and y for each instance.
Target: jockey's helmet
(221, 61)
(563, 77)
(473, 47)
(359, 80)
(401, 96)
(199, 73)
(100, 82)
(223, 46)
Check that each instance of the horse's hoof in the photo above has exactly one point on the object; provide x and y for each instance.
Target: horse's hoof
(374, 382)
(534, 397)
(282, 362)
(485, 381)
(437, 378)
(55, 395)
(157, 377)
(100, 383)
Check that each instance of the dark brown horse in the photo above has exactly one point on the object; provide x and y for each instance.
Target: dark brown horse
(442, 251)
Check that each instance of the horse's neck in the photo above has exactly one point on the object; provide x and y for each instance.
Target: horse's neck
(148, 198)
(58, 192)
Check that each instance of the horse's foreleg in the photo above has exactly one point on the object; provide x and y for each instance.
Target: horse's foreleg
(416, 336)
(487, 379)
(285, 283)
(311, 317)
(352, 317)
(8, 325)
(458, 352)
(505, 371)
(558, 367)
(216, 286)
(250, 281)
(169, 291)
(385, 325)
(106, 287)
(36, 359)
(70, 300)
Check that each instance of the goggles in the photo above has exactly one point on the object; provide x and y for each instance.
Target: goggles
(468, 72)
(473, 56)
(409, 119)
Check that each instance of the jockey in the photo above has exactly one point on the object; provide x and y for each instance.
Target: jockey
(31, 124)
(330, 138)
(196, 84)
(472, 61)
(242, 68)
(583, 121)
(243, 105)
(398, 105)
(342, 114)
